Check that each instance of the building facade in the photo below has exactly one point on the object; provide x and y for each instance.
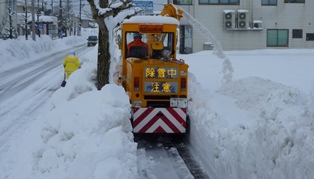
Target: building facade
(248, 24)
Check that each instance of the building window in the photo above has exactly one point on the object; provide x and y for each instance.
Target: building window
(310, 37)
(297, 33)
(220, 2)
(182, 2)
(294, 1)
(277, 37)
(269, 2)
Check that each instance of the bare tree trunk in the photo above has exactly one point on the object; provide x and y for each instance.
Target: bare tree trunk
(103, 66)
(103, 51)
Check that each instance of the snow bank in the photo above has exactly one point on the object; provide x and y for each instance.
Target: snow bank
(277, 144)
(81, 140)
(25, 50)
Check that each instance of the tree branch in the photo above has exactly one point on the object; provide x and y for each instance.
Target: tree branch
(94, 10)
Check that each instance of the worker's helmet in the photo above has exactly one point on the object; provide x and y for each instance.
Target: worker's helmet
(72, 52)
(137, 35)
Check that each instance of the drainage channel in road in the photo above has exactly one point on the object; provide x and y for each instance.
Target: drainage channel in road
(192, 165)
(179, 144)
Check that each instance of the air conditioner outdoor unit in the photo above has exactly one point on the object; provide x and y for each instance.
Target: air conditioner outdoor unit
(243, 19)
(229, 17)
(257, 24)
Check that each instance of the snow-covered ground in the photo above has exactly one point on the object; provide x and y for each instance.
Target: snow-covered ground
(259, 125)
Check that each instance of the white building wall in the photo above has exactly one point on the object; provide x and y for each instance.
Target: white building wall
(281, 16)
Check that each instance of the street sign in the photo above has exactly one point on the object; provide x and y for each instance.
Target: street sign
(40, 26)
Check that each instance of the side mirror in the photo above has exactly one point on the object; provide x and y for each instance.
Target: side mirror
(119, 39)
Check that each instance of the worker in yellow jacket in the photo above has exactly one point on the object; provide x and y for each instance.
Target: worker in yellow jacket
(71, 63)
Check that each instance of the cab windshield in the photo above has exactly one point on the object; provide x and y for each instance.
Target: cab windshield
(92, 38)
(167, 39)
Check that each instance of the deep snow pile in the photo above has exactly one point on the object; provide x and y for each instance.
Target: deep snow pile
(269, 134)
(81, 142)
(91, 134)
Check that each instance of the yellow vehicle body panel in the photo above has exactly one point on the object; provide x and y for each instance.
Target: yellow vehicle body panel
(138, 69)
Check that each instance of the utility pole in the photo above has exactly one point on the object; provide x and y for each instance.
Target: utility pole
(15, 14)
(10, 13)
(42, 5)
(26, 20)
(80, 23)
(33, 20)
(74, 19)
(52, 6)
(38, 31)
(60, 26)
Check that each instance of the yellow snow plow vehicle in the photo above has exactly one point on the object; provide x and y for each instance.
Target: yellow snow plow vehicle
(155, 80)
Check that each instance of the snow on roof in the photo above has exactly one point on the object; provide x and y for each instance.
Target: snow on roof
(93, 24)
(227, 11)
(47, 18)
(152, 19)
(243, 10)
(44, 19)
(257, 21)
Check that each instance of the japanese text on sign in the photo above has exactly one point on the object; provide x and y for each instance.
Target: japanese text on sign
(161, 72)
(161, 87)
